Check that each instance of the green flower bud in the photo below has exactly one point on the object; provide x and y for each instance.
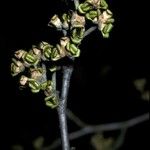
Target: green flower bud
(66, 21)
(92, 15)
(35, 87)
(77, 35)
(73, 50)
(84, 7)
(29, 58)
(103, 4)
(44, 85)
(107, 28)
(51, 101)
(47, 49)
(48, 89)
(55, 54)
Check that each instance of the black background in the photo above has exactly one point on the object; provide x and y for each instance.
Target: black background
(95, 97)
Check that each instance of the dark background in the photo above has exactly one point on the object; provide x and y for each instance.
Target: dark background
(102, 87)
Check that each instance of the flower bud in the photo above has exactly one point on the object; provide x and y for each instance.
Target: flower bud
(23, 80)
(56, 22)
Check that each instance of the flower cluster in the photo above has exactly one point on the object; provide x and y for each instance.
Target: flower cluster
(97, 11)
(35, 76)
(73, 26)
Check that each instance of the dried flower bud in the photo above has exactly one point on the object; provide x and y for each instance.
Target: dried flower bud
(64, 41)
(36, 73)
(94, 3)
(20, 53)
(16, 67)
(61, 50)
(105, 16)
(23, 80)
(77, 21)
(36, 51)
(43, 44)
(56, 22)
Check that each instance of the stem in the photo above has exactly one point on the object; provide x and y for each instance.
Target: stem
(67, 72)
(54, 80)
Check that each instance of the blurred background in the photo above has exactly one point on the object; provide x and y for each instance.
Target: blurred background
(108, 83)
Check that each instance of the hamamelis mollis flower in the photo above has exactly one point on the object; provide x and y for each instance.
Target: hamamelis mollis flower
(77, 35)
(60, 22)
(56, 22)
(65, 21)
(105, 21)
(62, 46)
(16, 67)
(77, 21)
(46, 49)
(23, 80)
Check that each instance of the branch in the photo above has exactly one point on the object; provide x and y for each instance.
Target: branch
(89, 31)
(67, 71)
(109, 127)
(75, 119)
(101, 128)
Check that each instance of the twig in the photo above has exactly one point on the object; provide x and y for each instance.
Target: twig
(90, 30)
(67, 71)
(120, 139)
(101, 128)
(109, 127)
(54, 80)
(76, 3)
(75, 119)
